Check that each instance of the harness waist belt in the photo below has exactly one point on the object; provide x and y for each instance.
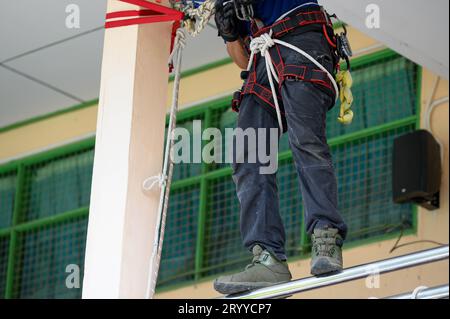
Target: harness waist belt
(290, 23)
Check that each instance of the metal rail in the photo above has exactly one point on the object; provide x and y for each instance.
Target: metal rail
(354, 273)
(440, 292)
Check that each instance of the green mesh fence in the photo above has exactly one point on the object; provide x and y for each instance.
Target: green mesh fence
(42, 256)
(385, 91)
(7, 193)
(223, 247)
(178, 255)
(44, 200)
(43, 214)
(4, 243)
(57, 185)
(364, 171)
(190, 169)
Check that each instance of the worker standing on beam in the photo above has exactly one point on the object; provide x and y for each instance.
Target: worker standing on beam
(298, 105)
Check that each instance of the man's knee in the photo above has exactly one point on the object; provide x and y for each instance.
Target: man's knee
(305, 130)
(310, 144)
(246, 172)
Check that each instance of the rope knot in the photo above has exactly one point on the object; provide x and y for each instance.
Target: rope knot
(262, 44)
(151, 182)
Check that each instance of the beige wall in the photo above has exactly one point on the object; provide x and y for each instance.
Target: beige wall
(435, 224)
(223, 80)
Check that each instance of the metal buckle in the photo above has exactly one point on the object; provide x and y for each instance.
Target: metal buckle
(344, 44)
(244, 12)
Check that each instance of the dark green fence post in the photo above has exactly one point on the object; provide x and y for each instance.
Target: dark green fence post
(18, 199)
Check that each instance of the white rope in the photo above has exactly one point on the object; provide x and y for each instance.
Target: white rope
(164, 180)
(296, 8)
(262, 44)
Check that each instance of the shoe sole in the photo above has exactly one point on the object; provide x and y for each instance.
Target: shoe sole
(324, 267)
(231, 288)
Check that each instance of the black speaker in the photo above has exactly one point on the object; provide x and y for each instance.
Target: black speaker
(417, 169)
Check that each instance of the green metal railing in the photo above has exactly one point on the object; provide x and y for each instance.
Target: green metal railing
(39, 236)
(22, 227)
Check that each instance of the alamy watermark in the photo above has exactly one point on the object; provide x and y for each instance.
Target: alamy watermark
(373, 278)
(373, 18)
(73, 16)
(73, 279)
(212, 145)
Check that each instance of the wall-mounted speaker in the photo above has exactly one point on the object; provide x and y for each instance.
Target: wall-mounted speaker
(417, 170)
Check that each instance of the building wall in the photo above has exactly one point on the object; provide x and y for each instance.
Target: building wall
(78, 124)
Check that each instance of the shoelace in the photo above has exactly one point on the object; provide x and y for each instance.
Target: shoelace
(254, 262)
(325, 246)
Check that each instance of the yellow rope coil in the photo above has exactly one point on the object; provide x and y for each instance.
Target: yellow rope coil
(345, 82)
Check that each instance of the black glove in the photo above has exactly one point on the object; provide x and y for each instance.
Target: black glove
(226, 21)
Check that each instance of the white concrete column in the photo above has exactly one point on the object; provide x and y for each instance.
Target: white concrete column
(129, 148)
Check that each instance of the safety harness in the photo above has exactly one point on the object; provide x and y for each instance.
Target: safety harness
(267, 41)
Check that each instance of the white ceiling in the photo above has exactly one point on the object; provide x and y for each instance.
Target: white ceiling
(417, 29)
(45, 67)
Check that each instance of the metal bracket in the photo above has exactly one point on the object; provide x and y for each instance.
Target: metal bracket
(430, 203)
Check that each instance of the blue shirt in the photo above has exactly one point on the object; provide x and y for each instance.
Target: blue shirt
(268, 11)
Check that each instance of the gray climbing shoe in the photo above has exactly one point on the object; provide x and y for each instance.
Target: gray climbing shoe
(326, 252)
(265, 270)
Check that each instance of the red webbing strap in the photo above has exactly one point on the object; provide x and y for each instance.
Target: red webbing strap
(252, 87)
(152, 13)
(307, 74)
(277, 61)
(151, 6)
(261, 92)
(300, 72)
(291, 23)
(264, 94)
